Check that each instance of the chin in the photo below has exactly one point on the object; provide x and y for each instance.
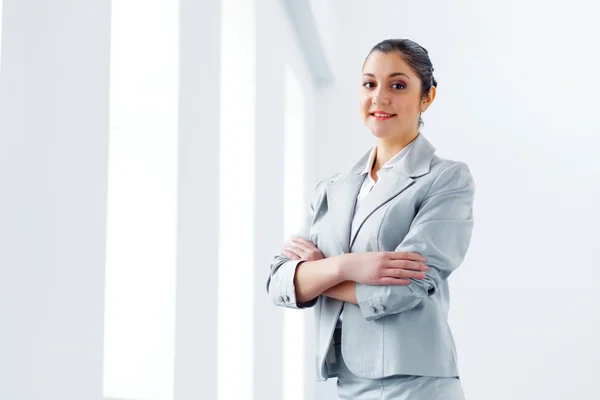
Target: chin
(381, 133)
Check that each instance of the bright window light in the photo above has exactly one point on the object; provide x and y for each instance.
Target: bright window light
(1, 8)
(237, 192)
(142, 200)
(294, 213)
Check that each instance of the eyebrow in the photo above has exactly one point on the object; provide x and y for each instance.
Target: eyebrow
(390, 76)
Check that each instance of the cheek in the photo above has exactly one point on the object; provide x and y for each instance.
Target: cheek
(406, 108)
(408, 103)
(365, 106)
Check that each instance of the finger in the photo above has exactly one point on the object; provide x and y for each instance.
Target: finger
(404, 264)
(295, 249)
(403, 255)
(302, 242)
(394, 281)
(297, 245)
(291, 255)
(404, 274)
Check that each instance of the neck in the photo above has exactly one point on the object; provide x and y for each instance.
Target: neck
(389, 147)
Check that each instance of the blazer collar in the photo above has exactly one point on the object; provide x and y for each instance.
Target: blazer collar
(342, 193)
(415, 163)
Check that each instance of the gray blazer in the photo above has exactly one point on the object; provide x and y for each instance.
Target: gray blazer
(423, 205)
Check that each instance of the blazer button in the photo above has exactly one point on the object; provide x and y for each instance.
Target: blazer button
(287, 298)
(374, 309)
(280, 298)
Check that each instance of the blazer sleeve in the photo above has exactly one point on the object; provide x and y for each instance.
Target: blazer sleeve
(441, 232)
(280, 282)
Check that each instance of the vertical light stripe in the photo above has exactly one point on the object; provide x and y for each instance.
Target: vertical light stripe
(237, 194)
(294, 212)
(142, 200)
(1, 8)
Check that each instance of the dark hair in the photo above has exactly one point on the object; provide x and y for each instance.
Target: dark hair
(416, 57)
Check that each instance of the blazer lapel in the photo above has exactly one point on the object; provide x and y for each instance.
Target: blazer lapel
(342, 193)
(341, 198)
(394, 181)
(391, 183)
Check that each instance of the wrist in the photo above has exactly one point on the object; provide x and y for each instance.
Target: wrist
(339, 266)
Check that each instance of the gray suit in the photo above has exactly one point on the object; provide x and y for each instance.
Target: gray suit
(423, 205)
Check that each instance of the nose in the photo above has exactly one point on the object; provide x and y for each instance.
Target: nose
(380, 97)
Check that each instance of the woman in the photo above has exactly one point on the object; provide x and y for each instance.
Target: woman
(379, 243)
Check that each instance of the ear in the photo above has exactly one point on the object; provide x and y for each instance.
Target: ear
(427, 100)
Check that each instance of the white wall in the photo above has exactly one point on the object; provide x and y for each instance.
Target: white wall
(516, 98)
(277, 46)
(54, 130)
(195, 374)
(53, 156)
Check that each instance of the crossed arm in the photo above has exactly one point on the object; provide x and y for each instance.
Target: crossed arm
(440, 232)
(345, 291)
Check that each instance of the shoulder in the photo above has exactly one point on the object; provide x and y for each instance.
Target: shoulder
(447, 174)
(324, 183)
(354, 169)
(441, 165)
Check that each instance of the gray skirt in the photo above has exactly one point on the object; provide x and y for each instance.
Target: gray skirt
(395, 387)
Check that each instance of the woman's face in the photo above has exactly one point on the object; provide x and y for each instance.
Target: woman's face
(390, 96)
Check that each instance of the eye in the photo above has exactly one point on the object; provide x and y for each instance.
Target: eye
(398, 86)
(368, 85)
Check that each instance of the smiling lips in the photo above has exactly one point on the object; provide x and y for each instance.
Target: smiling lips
(382, 116)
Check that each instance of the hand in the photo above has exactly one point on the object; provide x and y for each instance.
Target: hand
(382, 268)
(300, 249)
